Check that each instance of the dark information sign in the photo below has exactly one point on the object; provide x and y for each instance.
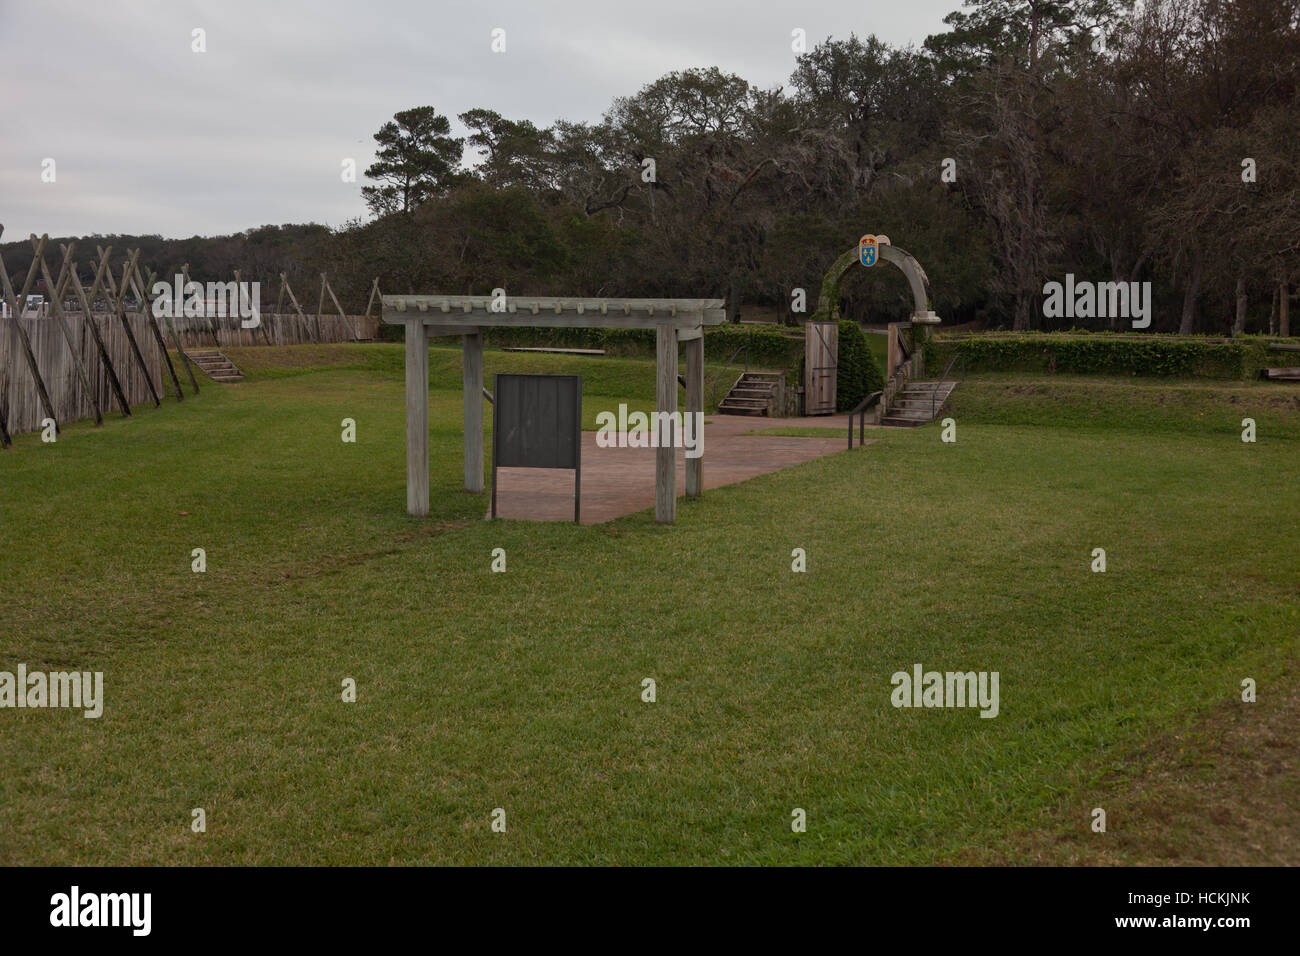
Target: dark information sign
(537, 423)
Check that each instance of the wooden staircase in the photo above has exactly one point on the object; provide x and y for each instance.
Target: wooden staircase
(916, 403)
(215, 365)
(753, 394)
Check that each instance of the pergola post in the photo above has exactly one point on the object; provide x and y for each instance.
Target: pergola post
(695, 414)
(665, 405)
(473, 380)
(417, 418)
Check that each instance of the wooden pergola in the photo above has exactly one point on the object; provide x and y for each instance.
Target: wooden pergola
(674, 321)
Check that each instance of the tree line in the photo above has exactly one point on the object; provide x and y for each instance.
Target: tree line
(1157, 142)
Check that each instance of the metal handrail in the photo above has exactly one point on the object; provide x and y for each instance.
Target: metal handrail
(935, 392)
(713, 390)
(861, 412)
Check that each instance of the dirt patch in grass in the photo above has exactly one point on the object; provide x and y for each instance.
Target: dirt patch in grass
(1224, 793)
(333, 563)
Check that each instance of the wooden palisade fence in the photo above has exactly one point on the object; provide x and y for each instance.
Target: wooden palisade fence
(77, 362)
(53, 369)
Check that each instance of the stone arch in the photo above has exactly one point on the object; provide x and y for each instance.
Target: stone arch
(828, 299)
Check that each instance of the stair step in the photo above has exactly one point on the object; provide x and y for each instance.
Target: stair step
(215, 365)
(917, 403)
(753, 394)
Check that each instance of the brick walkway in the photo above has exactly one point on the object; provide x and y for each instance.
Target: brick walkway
(620, 481)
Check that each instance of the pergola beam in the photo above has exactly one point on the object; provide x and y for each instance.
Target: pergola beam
(547, 312)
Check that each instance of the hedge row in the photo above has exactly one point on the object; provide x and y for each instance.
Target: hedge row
(768, 347)
(1101, 353)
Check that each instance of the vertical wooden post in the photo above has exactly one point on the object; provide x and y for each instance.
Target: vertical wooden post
(665, 402)
(320, 305)
(472, 375)
(279, 307)
(5, 440)
(417, 418)
(695, 412)
(237, 320)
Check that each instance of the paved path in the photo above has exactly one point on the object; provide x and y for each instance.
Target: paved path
(620, 481)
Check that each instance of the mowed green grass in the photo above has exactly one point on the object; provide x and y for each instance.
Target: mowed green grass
(522, 690)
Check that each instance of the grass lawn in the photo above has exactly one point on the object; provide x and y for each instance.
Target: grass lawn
(522, 689)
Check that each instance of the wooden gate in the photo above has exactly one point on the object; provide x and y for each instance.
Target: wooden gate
(821, 358)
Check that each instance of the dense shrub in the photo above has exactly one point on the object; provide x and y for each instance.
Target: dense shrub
(858, 374)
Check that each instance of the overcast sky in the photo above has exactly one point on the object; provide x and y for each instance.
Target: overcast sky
(148, 136)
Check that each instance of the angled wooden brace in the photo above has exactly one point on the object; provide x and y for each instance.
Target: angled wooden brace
(93, 327)
(178, 310)
(129, 278)
(343, 315)
(297, 308)
(260, 324)
(136, 282)
(15, 313)
(117, 295)
(56, 309)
